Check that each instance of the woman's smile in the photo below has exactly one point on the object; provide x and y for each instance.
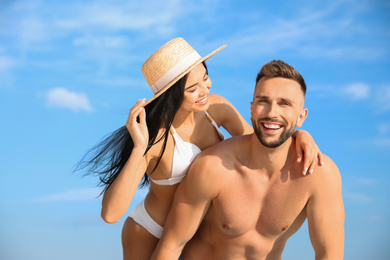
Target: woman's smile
(202, 101)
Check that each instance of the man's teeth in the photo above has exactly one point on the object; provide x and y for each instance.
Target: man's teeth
(271, 126)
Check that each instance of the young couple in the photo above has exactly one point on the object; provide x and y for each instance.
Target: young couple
(240, 199)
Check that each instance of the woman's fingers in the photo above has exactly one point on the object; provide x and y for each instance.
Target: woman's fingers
(299, 152)
(312, 158)
(134, 112)
(142, 116)
(320, 158)
(308, 162)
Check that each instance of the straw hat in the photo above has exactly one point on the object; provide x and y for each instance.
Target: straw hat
(170, 63)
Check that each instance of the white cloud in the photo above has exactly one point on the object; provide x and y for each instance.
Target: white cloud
(82, 195)
(384, 128)
(378, 98)
(63, 98)
(106, 17)
(32, 29)
(365, 181)
(353, 91)
(33, 23)
(134, 16)
(313, 32)
(381, 142)
(71, 195)
(383, 97)
(6, 63)
(357, 91)
(124, 82)
(359, 198)
(104, 41)
(376, 218)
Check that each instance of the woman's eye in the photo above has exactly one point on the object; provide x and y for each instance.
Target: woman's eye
(191, 90)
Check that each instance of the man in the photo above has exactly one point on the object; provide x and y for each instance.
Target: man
(247, 195)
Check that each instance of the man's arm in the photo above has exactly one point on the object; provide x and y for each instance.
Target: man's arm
(325, 213)
(192, 200)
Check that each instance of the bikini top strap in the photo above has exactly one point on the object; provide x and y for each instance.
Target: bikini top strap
(172, 130)
(209, 117)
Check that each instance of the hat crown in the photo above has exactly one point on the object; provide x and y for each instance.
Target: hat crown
(165, 58)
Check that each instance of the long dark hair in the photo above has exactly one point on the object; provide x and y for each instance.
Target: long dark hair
(108, 157)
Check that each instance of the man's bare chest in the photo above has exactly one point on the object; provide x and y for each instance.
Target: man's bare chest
(268, 209)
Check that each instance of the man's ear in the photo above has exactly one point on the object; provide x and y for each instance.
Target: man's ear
(302, 116)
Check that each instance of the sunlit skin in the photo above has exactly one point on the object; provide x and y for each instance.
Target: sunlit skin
(243, 200)
(274, 110)
(196, 95)
(192, 125)
(196, 90)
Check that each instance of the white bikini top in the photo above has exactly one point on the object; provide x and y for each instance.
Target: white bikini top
(183, 155)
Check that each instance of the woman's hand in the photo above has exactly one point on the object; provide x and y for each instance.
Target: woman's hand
(308, 150)
(138, 130)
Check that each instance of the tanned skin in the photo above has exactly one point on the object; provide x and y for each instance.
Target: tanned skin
(243, 198)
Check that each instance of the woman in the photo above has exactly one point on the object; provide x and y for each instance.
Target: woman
(161, 138)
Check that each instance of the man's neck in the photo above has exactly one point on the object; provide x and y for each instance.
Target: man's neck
(271, 160)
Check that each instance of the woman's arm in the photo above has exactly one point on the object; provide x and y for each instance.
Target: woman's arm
(118, 196)
(227, 116)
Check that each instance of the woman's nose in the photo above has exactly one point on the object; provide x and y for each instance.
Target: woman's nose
(206, 86)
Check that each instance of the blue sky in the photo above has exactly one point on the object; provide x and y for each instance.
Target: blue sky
(70, 72)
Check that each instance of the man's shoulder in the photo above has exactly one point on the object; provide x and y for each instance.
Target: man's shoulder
(220, 156)
(326, 176)
(329, 168)
(226, 148)
(211, 167)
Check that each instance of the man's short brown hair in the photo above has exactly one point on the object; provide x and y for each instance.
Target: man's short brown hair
(280, 69)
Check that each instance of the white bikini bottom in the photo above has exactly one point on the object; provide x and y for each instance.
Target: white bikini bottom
(141, 216)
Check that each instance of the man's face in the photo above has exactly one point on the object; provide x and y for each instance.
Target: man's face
(276, 110)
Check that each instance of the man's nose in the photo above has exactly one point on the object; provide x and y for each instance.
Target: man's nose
(272, 110)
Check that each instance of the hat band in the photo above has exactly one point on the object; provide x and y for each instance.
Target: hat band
(175, 71)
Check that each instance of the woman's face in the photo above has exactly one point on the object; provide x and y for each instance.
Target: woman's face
(196, 90)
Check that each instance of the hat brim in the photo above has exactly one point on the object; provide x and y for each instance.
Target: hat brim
(182, 74)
